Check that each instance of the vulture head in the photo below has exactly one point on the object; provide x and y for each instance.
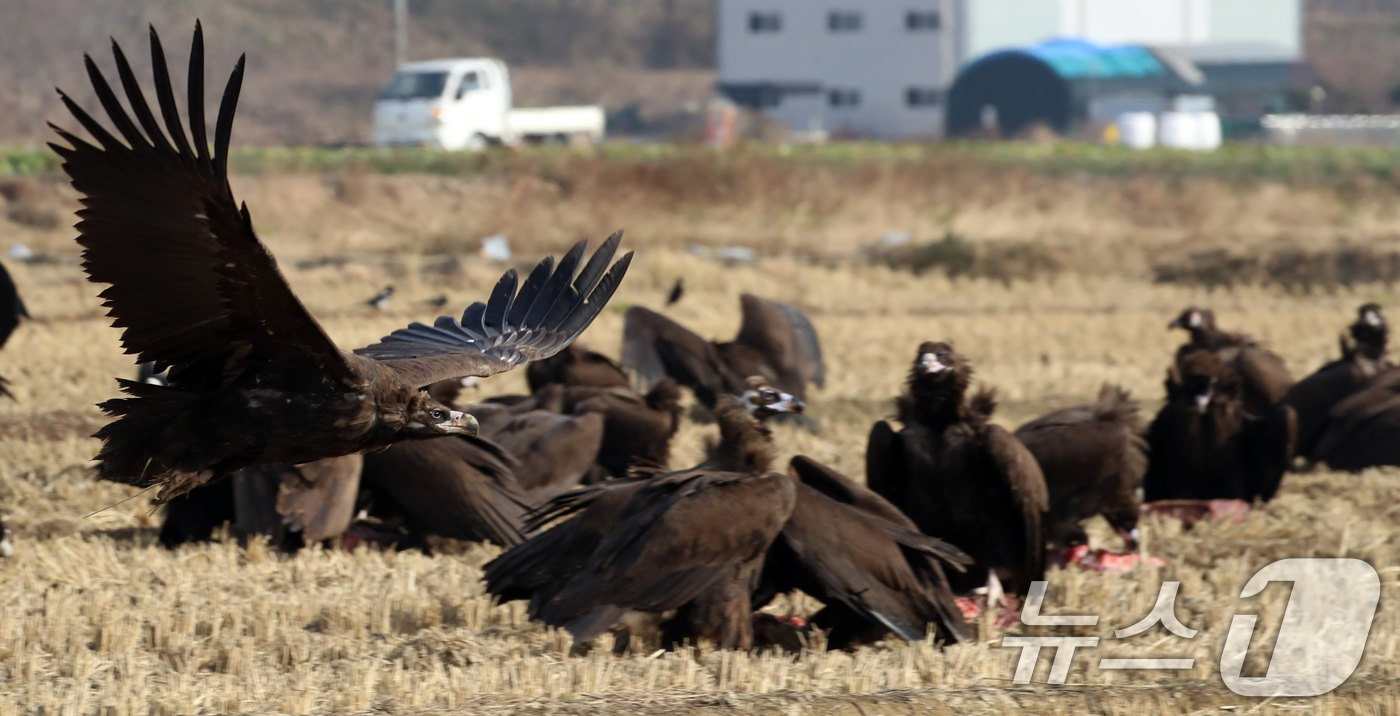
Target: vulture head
(1370, 330)
(427, 418)
(1194, 318)
(1203, 379)
(764, 401)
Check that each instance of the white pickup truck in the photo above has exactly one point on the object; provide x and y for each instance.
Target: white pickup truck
(466, 104)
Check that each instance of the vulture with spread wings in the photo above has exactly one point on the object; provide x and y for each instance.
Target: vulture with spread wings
(253, 379)
(776, 341)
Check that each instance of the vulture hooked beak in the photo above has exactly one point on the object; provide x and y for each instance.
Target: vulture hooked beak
(788, 404)
(1203, 400)
(459, 422)
(930, 363)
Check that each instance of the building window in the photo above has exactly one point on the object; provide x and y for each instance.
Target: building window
(921, 20)
(765, 22)
(843, 98)
(843, 21)
(921, 97)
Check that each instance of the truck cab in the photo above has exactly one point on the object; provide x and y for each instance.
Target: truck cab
(465, 103)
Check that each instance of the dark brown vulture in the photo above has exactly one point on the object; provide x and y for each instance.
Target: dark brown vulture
(1093, 457)
(1264, 376)
(1205, 444)
(775, 341)
(960, 478)
(576, 365)
(11, 311)
(690, 542)
(637, 429)
(1363, 357)
(254, 379)
(554, 452)
(864, 560)
(1363, 430)
(457, 487)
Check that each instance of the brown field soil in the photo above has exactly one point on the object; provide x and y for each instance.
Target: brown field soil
(99, 619)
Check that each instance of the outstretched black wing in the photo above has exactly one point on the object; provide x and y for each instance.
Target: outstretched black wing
(550, 310)
(190, 284)
(655, 347)
(787, 338)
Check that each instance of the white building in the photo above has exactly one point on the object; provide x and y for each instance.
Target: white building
(882, 67)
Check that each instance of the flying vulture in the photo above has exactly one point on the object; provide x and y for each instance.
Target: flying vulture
(1206, 444)
(254, 379)
(1363, 357)
(960, 478)
(11, 311)
(1093, 457)
(775, 341)
(690, 542)
(864, 560)
(576, 365)
(1264, 377)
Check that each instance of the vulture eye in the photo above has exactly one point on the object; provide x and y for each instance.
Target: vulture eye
(435, 414)
(770, 395)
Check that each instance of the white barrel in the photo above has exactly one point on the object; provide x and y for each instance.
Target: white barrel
(1208, 134)
(1177, 130)
(1137, 130)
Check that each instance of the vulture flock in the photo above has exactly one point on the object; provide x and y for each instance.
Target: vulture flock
(244, 412)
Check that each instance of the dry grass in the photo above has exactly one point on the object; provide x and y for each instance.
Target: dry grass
(99, 620)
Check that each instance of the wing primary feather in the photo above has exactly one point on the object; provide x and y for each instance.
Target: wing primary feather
(93, 127)
(223, 127)
(113, 106)
(587, 310)
(165, 95)
(137, 99)
(473, 323)
(498, 306)
(525, 299)
(597, 265)
(557, 285)
(195, 95)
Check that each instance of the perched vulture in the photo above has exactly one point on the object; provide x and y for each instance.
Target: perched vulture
(1363, 357)
(1093, 458)
(1205, 444)
(637, 429)
(254, 379)
(555, 452)
(576, 365)
(687, 544)
(381, 300)
(864, 560)
(775, 341)
(1363, 430)
(11, 311)
(960, 478)
(1264, 377)
(458, 487)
